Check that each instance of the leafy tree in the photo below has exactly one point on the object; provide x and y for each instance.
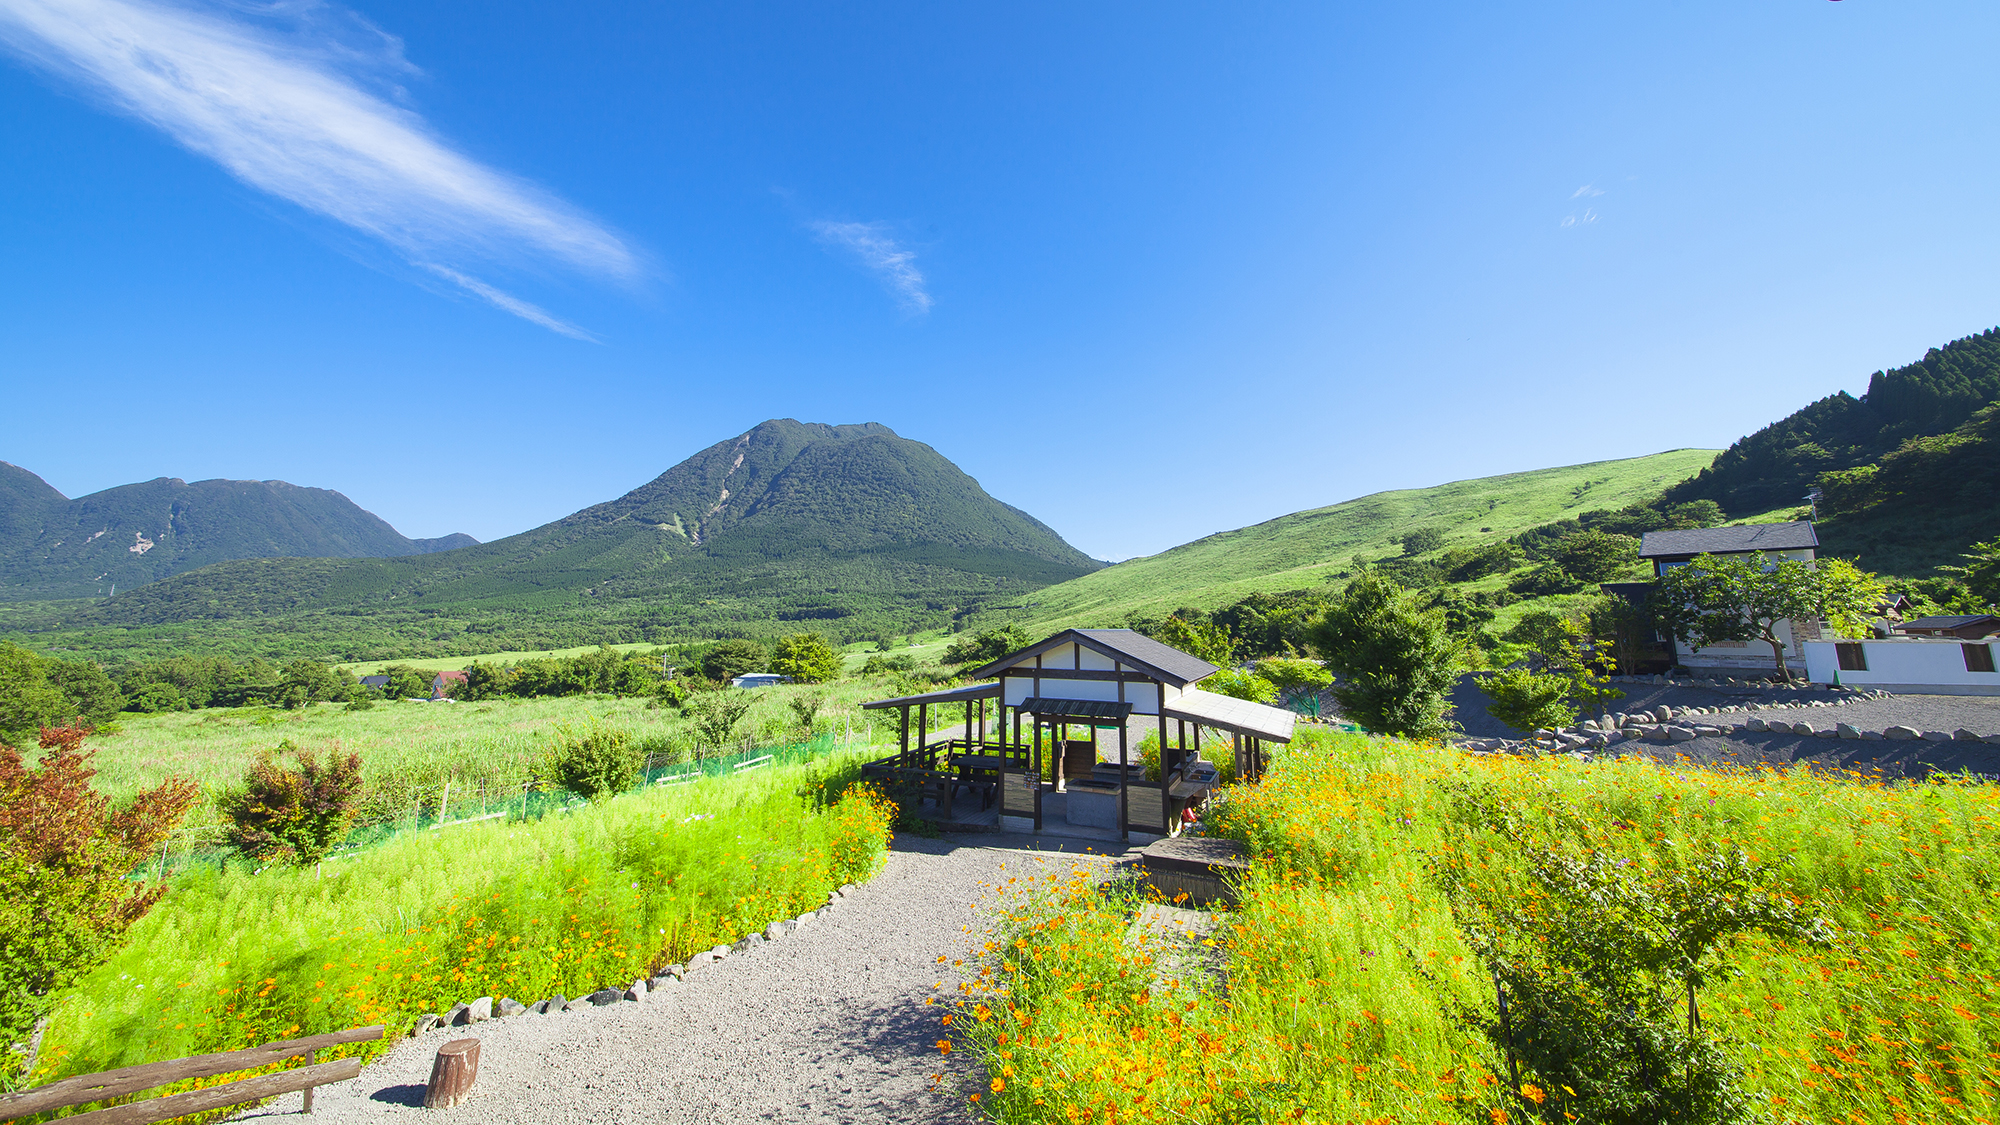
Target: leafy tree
(988, 646)
(1980, 572)
(1192, 633)
(1422, 541)
(295, 815)
(1271, 624)
(716, 713)
(730, 659)
(1294, 676)
(1470, 564)
(1693, 514)
(66, 860)
(1591, 557)
(807, 658)
(1396, 662)
(27, 699)
(406, 682)
(1528, 700)
(1744, 598)
(308, 681)
(1546, 580)
(596, 762)
(877, 664)
(1242, 685)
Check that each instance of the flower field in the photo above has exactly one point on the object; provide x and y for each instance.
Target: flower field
(1345, 987)
(569, 904)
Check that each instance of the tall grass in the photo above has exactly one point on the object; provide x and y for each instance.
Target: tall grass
(1335, 983)
(567, 904)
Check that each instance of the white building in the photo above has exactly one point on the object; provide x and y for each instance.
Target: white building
(1795, 540)
(1918, 665)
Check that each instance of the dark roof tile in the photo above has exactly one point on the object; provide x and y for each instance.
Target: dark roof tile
(1793, 536)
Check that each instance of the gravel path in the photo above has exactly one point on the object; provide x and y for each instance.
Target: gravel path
(827, 1024)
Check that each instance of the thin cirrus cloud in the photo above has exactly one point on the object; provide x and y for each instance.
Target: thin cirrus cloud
(870, 244)
(288, 117)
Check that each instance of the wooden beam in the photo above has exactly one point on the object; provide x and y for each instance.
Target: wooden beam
(220, 1097)
(86, 1088)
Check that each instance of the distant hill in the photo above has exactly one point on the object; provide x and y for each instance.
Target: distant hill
(852, 529)
(125, 537)
(1304, 549)
(1911, 469)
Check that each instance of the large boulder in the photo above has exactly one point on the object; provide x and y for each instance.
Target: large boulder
(1901, 733)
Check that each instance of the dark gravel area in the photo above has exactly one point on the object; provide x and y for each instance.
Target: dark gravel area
(1890, 761)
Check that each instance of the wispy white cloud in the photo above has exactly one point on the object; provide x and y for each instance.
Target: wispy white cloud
(1586, 191)
(872, 247)
(288, 114)
(1584, 218)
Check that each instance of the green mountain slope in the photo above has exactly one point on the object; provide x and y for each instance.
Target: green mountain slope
(790, 522)
(55, 547)
(1301, 550)
(1776, 465)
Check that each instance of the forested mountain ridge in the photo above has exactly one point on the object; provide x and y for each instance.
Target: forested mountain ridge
(54, 547)
(786, 523)
(1778, 464)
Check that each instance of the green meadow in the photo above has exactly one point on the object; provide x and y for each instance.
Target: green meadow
(1335, 991)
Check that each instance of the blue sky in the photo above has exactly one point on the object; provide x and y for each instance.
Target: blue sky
(1148, 271)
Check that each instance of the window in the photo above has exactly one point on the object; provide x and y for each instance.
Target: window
(1853, 658)
(1978, 658)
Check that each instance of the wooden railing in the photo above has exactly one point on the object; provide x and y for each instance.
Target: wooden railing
(86, 1088)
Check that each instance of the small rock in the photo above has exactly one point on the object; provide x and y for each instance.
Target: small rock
(1963, 735)
(479, 1011)
(1680, 734)
(1901, 734)
(1871, 736)
(1848, 730)
(605, 996)
(1708, 732)
(1936, 736)
(744, 943)
(720, 952)
(456, 1017)
(507, 1007)
(849, 888)
(1756, 724)
(1828, 732)
(426, 1022)
(636, 990)
(705, 957)
(662, 981)
(554, 1003)
(776, 930)
(577, 1005)
(673, 971)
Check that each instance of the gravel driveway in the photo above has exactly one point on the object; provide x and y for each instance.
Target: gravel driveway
(827, 1024)
(1977, 713)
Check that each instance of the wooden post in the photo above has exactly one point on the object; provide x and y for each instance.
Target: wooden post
(309, 1090)
(452, 1074)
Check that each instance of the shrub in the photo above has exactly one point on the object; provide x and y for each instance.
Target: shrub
(596, 762)
(1527, 700)
(988, 646)
(1422, 541)
(880, 665)
(716, 714)
(805, 707)
(1294, 676)
(1397, 662)
(806, 658)
(295, 815)
(65, 857)
(1546, 580)
(1242, 685)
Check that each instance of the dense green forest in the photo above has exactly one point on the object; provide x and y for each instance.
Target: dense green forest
(124, 537)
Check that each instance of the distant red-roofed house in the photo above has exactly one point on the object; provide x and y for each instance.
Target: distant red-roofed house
(441, 683)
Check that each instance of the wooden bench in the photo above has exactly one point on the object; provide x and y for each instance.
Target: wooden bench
(86, 1088)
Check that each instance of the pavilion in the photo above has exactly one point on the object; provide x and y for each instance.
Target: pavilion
(1053, 723)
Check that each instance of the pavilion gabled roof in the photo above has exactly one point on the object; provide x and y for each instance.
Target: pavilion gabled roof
(1126, 646)
(959, 694)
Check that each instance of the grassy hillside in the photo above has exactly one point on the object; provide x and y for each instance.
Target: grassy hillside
(1301, 550)
(124, 537)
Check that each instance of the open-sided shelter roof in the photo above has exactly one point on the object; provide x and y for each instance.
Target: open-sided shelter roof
(1078, 710)
(960, 694)
(1164, 662)
(1237, 716)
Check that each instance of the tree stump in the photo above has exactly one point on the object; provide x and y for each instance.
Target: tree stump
(452, 1074)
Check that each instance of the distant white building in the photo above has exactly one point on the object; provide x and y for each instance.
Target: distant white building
(1917, 665)
(1795, 540)
(759, 679)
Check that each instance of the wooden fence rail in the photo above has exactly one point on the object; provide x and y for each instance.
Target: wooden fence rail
(106, 1085)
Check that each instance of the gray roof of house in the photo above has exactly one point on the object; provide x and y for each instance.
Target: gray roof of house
(1126, 646)
(1793, 536)
(1949, 621)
